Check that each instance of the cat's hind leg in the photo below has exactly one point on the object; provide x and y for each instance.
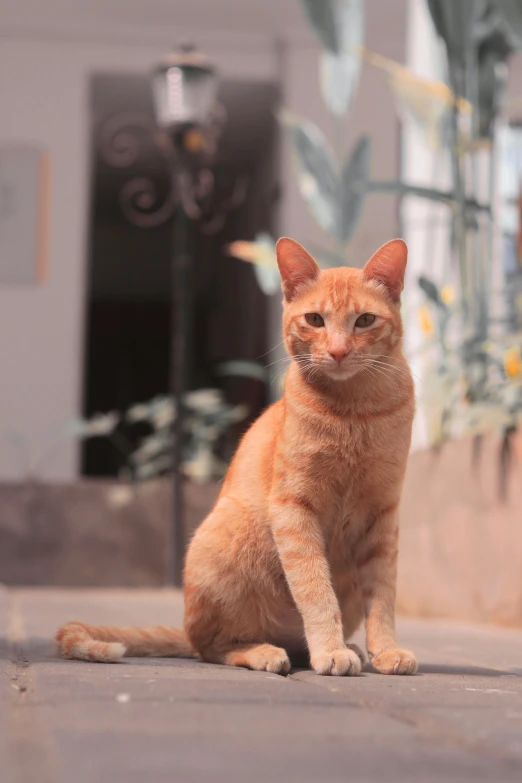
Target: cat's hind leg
(259, 657)
(228, 620)
(218, 640)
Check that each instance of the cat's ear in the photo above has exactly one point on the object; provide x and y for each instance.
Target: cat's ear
(296, 266)
(388, 266)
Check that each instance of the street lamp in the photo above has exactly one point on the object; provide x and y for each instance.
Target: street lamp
(184, 89)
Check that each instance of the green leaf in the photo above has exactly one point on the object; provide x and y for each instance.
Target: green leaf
(431, 291)
(505, 20)
(455, 22)
(262, 254)
(317, 172)
(339, 26)
(447, 197)
(327, 259)
(242, 368)
(355, 178)
(101, 424)
(269, 279)
(322, 17)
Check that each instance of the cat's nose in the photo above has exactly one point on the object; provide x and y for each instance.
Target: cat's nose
(338, 354)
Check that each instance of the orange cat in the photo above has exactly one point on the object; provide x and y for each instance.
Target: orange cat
(302, 542)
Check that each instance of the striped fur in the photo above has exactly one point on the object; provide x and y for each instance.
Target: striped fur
(106, 644)
(302, 544)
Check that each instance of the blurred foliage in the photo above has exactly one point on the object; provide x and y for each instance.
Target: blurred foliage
(428, 103)
(479, 36)
(206, 419)
(261, 253)
(473, 377)
(333, 184)
(469, 387)
(339, 27)
(472, 356)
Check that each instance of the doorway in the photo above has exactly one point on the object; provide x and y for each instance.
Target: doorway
(127, 351)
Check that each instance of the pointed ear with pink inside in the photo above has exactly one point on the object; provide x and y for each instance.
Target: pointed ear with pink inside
(388, 266)
(296, 266)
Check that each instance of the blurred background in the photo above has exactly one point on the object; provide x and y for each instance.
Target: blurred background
(140, 201)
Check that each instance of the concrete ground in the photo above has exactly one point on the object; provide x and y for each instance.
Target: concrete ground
(155, 721)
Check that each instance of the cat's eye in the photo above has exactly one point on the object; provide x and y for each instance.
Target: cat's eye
(314, 319)
(364, 320)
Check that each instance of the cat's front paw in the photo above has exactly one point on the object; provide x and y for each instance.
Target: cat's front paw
(357, 650)
(395, 661)
(343, 662)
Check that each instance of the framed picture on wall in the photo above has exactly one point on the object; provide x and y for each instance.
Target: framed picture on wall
(24, 215)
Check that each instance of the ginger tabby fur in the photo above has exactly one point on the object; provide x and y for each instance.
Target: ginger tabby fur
(302, 543)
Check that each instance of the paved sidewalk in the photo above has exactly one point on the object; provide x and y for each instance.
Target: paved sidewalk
(159, 721)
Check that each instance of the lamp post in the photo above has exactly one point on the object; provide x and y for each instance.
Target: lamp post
(184, 88)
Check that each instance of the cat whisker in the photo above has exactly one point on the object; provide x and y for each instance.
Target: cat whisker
(305, 362)
(277, 361)
(302, 363)
(386, 356)
(270, 350)
(379, 371)
(402, 374)
(391, 367)
(277, 375)
(312, 373)
(298, 358)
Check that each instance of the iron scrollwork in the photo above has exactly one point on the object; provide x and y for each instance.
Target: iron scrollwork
(128, 138)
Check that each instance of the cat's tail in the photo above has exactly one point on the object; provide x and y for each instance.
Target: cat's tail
(108, 644)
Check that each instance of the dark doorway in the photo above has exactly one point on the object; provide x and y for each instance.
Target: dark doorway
(128, 308)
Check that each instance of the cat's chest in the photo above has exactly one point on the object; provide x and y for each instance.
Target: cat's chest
(362, 473)
(353, 435)
(354, 454)
(349, 461)
(345, 527)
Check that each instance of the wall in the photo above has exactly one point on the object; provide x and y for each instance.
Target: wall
(44, 81)
(44, 100)
(426, 224)
(460, 554)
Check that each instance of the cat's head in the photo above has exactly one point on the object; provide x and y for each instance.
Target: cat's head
(341, 321)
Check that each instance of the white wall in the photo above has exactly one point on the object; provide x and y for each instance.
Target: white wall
(426, 225)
